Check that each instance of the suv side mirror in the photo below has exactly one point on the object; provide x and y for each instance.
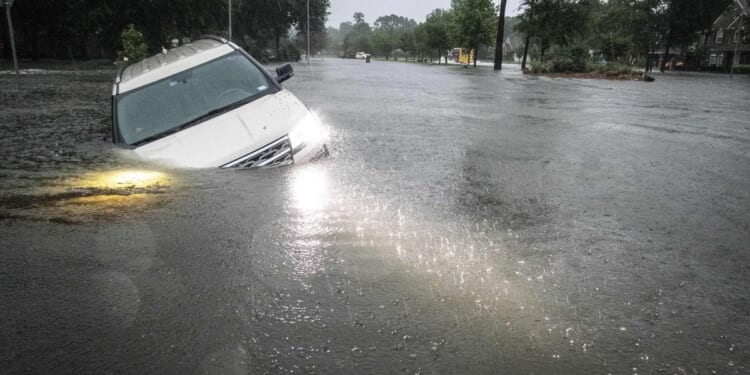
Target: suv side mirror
(284, 72)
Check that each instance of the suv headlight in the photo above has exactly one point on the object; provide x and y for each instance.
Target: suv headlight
(310, 131)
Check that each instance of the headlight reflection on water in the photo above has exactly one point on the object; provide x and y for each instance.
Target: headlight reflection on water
(128, 178)
(309, 191)
(101, 195)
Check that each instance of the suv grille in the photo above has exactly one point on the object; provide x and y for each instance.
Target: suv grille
(277, 153)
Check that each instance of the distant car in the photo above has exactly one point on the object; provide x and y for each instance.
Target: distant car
(361, 55)
(210, 104)
(679, 64)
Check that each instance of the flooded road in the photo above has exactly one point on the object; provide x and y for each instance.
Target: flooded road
(467, 221)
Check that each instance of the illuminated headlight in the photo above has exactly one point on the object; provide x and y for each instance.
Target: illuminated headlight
(310, 131)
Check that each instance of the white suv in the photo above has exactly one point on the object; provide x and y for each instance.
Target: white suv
(210, 104)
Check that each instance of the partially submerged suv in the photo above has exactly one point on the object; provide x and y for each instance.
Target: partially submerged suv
(210, 104)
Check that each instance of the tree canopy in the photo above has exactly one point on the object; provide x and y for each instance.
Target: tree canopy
(392, 32)
(621, 30)
(473, 23)
(91, 28)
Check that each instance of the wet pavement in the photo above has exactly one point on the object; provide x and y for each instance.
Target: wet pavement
(467, 222)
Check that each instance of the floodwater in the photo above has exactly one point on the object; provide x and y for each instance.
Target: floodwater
(467, 221)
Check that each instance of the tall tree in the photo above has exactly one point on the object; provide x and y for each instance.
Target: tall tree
(391, 32)
(437, 31)
(473, 24)
(359, 38)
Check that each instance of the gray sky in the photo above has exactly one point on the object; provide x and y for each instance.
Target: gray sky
(343, 10)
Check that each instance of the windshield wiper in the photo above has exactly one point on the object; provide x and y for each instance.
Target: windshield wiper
(215, 112)
(157, 136)
(201, 118)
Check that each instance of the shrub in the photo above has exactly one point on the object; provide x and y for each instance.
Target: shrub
(134, 47)
(742, 69)
(573, 58)
(540, 67)
(288, 52)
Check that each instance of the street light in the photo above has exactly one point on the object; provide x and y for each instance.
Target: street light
(7, 4)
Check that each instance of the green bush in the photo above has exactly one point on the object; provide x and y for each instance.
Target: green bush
(620, 68)
(288, 52)
(134, 47)
(742, 69)
(574, 59)
(611, 68)
(540, 67)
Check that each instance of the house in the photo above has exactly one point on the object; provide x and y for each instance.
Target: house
(728, 42)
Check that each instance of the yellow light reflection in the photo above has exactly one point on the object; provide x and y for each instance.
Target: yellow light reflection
(128, 178)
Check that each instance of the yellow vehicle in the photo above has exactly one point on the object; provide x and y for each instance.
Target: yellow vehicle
(463, 56)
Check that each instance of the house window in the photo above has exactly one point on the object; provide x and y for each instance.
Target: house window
(712, 60)
(720, 36)
(737, 36)
(720, 59)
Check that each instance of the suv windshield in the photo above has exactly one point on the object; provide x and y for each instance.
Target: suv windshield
(183, 99)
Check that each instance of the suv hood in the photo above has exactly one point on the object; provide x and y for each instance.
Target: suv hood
(229, 136)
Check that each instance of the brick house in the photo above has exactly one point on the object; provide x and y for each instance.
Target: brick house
(728, 42)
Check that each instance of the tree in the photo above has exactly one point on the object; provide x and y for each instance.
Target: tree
(683, 19)
(420, 41)
(134, 46)
(556, 22)
(473, 24)
(436, 29)
(359, 38)
(392, 32)
(318, 15)
(642, 21)
(500, 39)
(91, 28)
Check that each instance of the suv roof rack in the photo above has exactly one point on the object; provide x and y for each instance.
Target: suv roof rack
(214, 37)
(169, 57)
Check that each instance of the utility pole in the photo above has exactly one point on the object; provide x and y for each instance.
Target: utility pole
(8, 4)
(308, 32)
(735, 58)
(500, 40)
(230, 20)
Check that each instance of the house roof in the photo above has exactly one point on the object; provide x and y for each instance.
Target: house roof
(744, 6)
(732, 14)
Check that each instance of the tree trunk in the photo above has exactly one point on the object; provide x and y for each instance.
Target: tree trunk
(476, 52)
(35, 44)
(541, 52)
(278, 44)
(526, 47)
(500, 40)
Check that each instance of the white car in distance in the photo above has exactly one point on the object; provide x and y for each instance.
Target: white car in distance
(209, 104)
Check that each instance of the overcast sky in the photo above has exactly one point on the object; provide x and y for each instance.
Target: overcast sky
(343, 10)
